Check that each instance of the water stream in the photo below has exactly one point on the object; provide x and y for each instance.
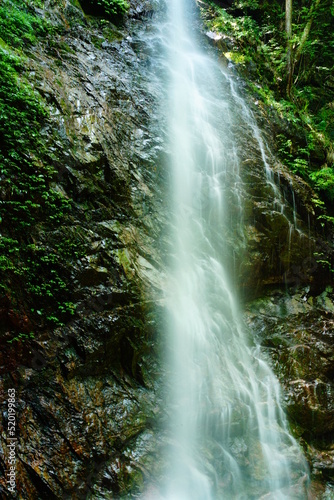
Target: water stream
(229, 437)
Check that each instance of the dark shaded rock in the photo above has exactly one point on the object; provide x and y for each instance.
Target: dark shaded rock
(92, 276)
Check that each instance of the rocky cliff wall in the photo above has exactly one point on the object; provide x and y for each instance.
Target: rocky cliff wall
(86, 393)
(89, 390)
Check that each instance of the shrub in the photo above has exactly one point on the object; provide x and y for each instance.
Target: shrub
(111, 9)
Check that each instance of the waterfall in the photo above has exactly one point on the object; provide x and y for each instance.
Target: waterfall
(229, 437)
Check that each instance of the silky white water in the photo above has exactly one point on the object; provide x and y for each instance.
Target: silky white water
(229, 437)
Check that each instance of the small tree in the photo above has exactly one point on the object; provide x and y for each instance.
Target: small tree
(294, 53)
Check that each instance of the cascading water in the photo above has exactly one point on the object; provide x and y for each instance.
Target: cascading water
(229, 435)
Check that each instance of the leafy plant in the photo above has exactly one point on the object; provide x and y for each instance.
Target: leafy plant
(30, 205)
(257, 32)
(108, 8)
(18, 27)
(21, 337)
(324, 181)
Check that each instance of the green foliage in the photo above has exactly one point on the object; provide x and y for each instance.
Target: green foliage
(299, 162)
(19, 105)
(322, 260)
(31, 271)
(242, 28)
(114, 7)
(26, 193)
(21, 337)
(324, 181)
(110, 9)
(18, 27)
(257, 30)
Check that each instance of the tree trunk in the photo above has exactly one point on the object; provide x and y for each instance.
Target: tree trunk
(288, 29)
(293, 58)
(307, 30)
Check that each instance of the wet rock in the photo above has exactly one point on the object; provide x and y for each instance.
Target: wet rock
(92, 276)
(74, 13)
(223, 42)
(297, 331)
(141, 8)
(276, 238)
(239, 450)
(87, 390)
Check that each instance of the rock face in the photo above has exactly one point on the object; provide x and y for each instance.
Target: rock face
(86, 392)
(296, 331)
(284, 242)
(89, 393)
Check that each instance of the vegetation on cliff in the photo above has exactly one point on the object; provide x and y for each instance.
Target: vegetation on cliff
(73, 342)
(32, 271)
(112, 9)
(37, 254)
(291, 74)
(75, 104)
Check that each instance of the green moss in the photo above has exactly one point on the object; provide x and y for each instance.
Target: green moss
(122, 258)
(236, 57)
(18, 27)
(109, 9)
(31, 207)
